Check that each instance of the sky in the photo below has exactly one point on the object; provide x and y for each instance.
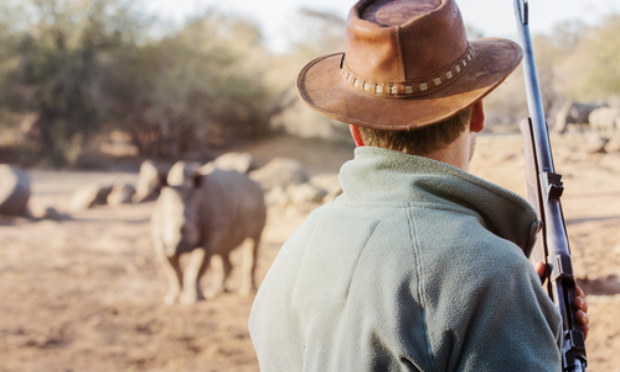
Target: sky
(493, 17)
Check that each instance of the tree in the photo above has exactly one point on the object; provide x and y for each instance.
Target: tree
(54, 68)
(592, 71)
(508, 105)
(200, 86)
(317, 33)
(89, 65)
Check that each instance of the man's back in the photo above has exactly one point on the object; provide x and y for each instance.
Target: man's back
(403, 273)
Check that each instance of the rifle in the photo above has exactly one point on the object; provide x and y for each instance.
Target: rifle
(545, 189)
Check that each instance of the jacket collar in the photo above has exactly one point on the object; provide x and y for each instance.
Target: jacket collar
(379, 176)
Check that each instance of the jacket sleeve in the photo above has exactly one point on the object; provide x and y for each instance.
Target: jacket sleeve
(493, 315)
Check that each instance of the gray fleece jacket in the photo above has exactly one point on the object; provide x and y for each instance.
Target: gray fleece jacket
(417, 266)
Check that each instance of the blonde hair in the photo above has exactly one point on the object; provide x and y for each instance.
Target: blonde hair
(420, 141)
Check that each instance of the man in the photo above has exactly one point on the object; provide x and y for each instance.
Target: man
(418, 265)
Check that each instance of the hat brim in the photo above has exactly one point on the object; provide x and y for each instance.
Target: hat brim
(321, 85)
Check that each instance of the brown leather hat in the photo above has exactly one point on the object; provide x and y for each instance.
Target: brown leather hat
(407, 64)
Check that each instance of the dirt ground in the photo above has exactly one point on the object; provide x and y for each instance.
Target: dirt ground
(86, 294)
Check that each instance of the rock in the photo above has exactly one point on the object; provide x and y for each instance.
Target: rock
(301, 197)
(614, 144)
(46, 212)
(277, 197)
(304, 194)
(121, 194)
(280, 172)
(330, 183)
(241, 162)
(182, 173)
(596, 145)
(87, 197)
(149, 182)
(603, 119)
(14, 190)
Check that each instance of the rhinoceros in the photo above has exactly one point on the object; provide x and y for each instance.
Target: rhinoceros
(206, 212)
(573, 113)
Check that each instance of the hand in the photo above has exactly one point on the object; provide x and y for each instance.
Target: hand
(580, 304)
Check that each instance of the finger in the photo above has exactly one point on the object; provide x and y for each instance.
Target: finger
(582, 318)
(584, 322)
(580, 292)
(581, 304)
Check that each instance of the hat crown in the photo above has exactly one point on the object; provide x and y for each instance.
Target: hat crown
(404, 40)
(407, 64)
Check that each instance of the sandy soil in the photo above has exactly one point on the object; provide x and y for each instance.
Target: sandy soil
(86, 294)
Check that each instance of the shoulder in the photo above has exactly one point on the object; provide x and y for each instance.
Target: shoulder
(460, 258)
(459, 234)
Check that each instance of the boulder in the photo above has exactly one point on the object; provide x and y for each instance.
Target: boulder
(596, 145)
(277, 197)
(149, 182)
(603, 119)
(121, 194)
(46, 212)
(330, 183)
(614, 143)
(88, 196)
(305, 194)
(301, 197)
(241, 162)
(280, 172)
(14, 190)
(182, 173)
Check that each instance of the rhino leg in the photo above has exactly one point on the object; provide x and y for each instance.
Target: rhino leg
(172, 269)
(248, 268)
(226, 272)
(196, 266)
(220, 267)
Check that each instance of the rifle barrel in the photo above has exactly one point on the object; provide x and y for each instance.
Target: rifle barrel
(534, 99)
(555, 238)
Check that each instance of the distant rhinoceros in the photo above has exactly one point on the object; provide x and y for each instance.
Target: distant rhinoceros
(573, 113)
(208, 213)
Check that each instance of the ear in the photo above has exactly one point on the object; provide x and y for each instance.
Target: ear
(357, 136)
(477, 118)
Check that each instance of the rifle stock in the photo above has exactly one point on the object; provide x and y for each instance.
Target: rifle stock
(533, 191)
(545, 189)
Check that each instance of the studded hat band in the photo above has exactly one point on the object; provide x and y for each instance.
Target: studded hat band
(410, 88)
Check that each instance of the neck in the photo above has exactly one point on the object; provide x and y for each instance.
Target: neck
(457, 153)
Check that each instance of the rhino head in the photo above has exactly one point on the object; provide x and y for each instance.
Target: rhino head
(180, 208)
